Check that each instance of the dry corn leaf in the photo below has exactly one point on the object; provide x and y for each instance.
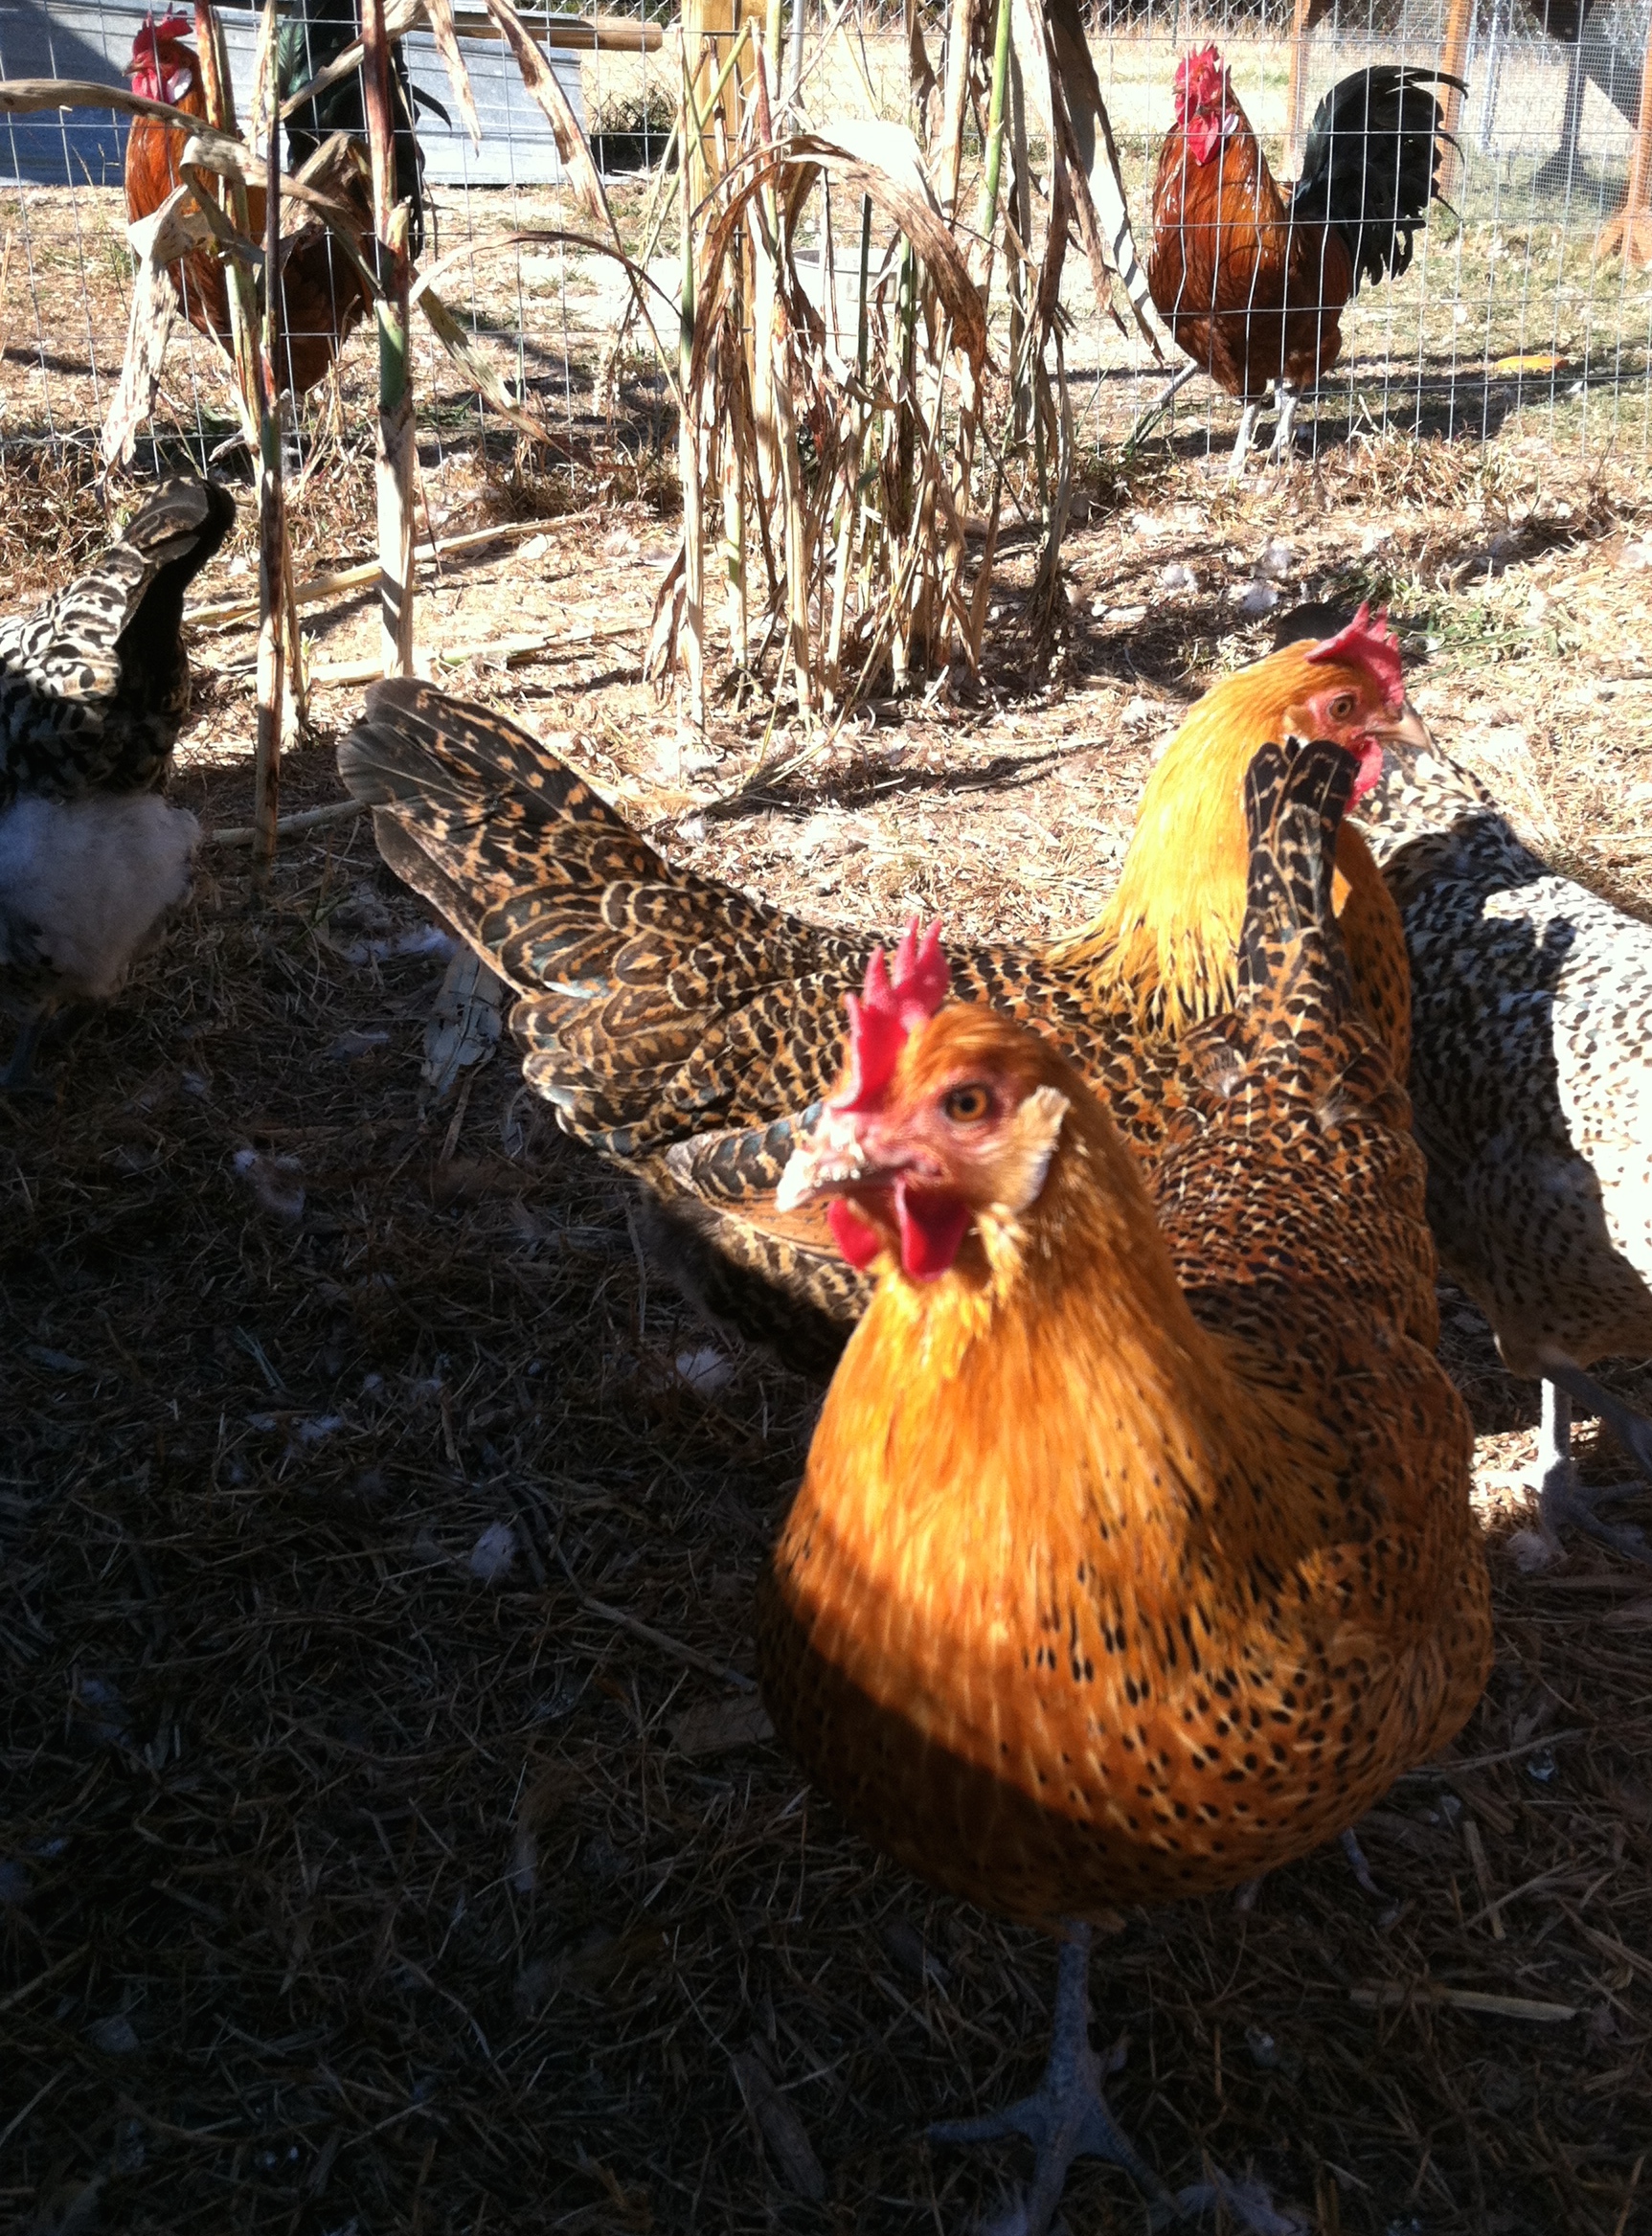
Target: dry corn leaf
(440, 18)
(541, 82)
(1080, 124)
(158, 240)
(900, 198)
(465, 1024)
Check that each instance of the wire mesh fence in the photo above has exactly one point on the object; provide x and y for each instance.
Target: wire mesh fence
(1526, 304)
(66, 263)
(1526, 297)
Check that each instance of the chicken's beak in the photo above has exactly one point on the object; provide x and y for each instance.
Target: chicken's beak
(834, 1161)
(830, 1159)
(1406, 728)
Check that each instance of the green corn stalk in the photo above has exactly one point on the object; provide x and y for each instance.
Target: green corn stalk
(987, 220)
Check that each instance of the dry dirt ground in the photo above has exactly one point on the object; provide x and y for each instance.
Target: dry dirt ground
(383, 1841)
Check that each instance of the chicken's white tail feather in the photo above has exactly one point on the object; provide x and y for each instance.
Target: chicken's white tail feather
(83, 886)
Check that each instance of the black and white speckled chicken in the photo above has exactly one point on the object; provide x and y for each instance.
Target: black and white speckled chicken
(1532, 1094)
(93, 687)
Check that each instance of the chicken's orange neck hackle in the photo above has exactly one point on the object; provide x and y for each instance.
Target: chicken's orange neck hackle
(1171, 928)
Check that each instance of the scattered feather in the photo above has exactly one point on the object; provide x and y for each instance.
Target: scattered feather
(424, 940)
(1245, 2202)
(493, 1555)
(273, 1183)
(1257, 598)
(706, 1369)
(465, 1024)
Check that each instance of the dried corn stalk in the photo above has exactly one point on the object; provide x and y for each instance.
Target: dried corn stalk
(838, 420)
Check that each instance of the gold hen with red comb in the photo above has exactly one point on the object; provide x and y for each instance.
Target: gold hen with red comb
(1135, 1554)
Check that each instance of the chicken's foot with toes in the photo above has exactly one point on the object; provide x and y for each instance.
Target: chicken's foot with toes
(1065, 2117)
(1561, 1497)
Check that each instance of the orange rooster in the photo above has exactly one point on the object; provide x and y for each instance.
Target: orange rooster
(323, 297)
(684, 1031)
(1135, 1555)
(1252, 279)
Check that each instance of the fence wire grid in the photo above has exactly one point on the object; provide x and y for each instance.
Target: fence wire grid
(1517, 311)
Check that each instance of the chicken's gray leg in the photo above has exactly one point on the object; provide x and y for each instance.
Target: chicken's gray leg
(19, 1077)
(1561, 1497)
(1066, 2117)
(1289, 398)
(1243, 440)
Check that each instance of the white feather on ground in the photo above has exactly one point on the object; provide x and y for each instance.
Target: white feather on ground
(84, 885)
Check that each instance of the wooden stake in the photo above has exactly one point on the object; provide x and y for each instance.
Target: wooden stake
(1631, 230)
(276, 613)
(692, 636)
(713, 32)
(1459, 21)
(1307, 13)
(218, 93)
(394, 458)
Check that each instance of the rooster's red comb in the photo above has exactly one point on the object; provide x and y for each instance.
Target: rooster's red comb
(173, 25)
(1371, 644)
(892, 1005)
(1201, 75)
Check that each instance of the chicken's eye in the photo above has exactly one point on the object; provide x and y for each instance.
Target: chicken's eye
(1344, 706)
(968, 1106)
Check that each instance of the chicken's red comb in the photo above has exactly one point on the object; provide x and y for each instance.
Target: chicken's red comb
(1371, 644)
(1195, 72)
(174, 26)
(890, 1006)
